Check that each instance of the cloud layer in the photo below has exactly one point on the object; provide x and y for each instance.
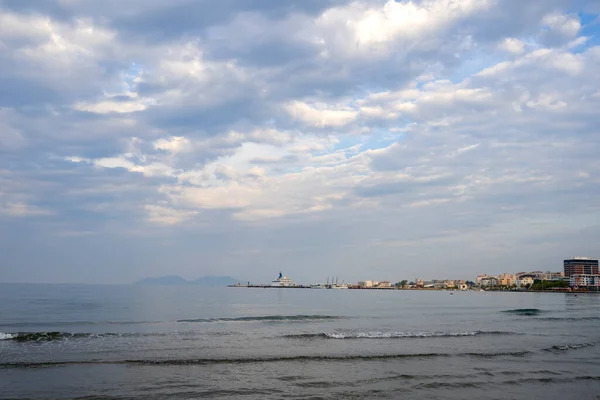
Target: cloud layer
(366, 139)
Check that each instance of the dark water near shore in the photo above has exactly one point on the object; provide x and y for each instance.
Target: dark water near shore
(121, 342)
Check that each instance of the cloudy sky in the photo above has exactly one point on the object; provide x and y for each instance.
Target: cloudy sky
(364, 139)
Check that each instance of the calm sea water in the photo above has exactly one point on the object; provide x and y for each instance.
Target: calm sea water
(121, 342)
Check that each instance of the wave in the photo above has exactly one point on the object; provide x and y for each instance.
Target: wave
(566, 347)
(569, 318)
(6, 336)
(551, 380)
(450, 385)
(264, 318)
(392, 335)
(51, 336)
(524, 311)
(58, 336)
(314, 358)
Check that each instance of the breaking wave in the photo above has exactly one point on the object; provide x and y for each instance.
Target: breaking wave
(524, 311)
(264, 318)
(49, 336)
(6, 336)
(392, 335)
(57, 336)
(212, 361)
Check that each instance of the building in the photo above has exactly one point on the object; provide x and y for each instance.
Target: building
(489, 281)
(365, 284)
(584, 280)
(525, 280)
(557, 276)
(507, 279)
(581, 266)
(384, 284)
(438, 284)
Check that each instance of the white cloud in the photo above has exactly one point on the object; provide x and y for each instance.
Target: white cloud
(363, 27)
(107, 106)
(565, 25)
(55, 43)
(174, 144)
(553, 59)
(512, 45)
(319, 116)
(580, 41)
(547, 101)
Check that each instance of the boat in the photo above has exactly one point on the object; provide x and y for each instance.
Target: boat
(340, 286)
(336, 285)
(282, 281)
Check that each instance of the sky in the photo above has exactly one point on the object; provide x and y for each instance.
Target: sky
(359, 139)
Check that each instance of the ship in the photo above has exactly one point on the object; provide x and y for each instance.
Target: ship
(282, 281)
(336, 285)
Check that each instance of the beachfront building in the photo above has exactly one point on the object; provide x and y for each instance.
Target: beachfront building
(384, 284)
(524, 281)
(557, 276)
(365, 284)
(438, 284)
(581, 266)
(585, 280)
(488, 281)
(548, 275)
(507, 279)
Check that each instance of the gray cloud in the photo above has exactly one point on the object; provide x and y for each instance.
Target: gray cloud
(369, 139)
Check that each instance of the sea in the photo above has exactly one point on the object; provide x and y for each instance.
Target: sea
(188, 342)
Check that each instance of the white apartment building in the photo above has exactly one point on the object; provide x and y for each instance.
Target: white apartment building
(584, 280)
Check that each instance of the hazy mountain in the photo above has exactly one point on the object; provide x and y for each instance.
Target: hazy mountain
(177, 280)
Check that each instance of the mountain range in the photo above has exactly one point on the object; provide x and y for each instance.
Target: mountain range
(177, 280)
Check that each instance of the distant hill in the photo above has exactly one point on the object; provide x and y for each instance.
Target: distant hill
(177, 280)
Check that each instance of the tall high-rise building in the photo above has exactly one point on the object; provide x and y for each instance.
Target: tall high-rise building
(581, 266)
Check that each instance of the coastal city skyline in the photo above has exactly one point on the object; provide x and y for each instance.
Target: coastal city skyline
(334, 137)
(577, 273)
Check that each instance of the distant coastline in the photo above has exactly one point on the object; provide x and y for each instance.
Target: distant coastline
(562, 290)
